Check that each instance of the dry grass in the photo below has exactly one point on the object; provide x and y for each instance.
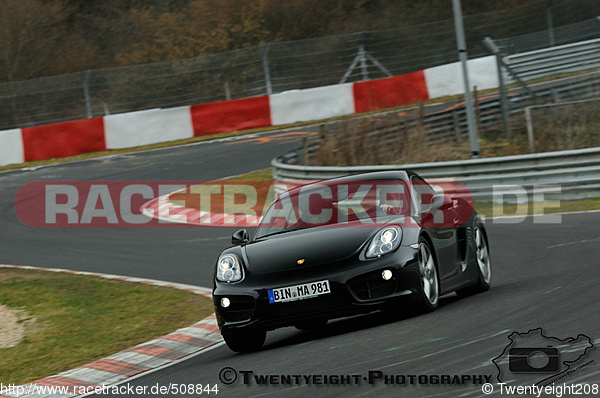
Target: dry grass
(570, 126)
(376, 141)
(405, 140)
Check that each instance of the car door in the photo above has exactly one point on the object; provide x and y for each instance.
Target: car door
(442, 231)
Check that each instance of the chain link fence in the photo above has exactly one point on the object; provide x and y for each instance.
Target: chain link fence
(584, 30)
(282, 66)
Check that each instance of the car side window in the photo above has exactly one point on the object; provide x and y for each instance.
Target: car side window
(422, 194)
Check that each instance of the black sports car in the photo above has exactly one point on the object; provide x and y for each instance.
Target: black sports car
(349, 245)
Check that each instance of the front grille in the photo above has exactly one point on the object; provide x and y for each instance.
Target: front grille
(372, 286)
(241, 308)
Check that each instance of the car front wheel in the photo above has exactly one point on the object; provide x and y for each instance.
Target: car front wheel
(430, 287)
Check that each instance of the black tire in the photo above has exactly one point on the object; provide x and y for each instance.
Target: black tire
(484, 263)
(429, 292)
(246, 341)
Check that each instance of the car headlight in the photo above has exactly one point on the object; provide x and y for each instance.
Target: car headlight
(386, 241)
(229, 268)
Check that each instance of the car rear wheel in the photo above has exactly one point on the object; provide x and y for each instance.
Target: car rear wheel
(246, 341)
(430, 286)
(484, 264)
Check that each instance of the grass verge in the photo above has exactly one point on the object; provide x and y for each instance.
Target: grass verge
(488, 209)
(75, 319)
(258, 175)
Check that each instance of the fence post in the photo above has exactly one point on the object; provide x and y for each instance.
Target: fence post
(305, 151)
(529, 129)
(549, 21)
(227, 91)
(86, 93)
(461, 45)
(477, 110)
(456, 125)
(489, 43)
(555, 98)
(421, 120)
(267, 72)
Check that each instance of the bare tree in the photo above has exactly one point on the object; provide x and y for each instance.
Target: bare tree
(36, 41)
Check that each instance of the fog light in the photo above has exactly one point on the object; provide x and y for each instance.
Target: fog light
(386, 275)
(225, 302)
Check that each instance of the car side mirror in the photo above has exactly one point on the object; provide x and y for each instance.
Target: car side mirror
(440, 202)
(240, 237)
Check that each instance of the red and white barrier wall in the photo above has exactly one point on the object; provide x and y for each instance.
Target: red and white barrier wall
(447, 79)
(160, 125)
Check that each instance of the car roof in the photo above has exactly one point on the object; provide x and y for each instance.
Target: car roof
(403, 175)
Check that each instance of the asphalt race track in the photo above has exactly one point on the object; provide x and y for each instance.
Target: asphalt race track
(545, 275)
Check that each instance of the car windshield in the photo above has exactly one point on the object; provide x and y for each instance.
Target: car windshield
(327, 203)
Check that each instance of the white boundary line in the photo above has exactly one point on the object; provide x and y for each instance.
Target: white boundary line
(181, 286)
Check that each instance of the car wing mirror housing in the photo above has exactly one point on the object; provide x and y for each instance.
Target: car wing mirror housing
(440, 202)
(240, 237)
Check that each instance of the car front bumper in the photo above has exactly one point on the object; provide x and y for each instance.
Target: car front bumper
(356, 287)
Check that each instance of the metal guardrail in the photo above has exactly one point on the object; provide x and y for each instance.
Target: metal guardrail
(554, 60)
(563, 175)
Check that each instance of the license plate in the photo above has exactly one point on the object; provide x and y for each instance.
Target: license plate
(299, 292)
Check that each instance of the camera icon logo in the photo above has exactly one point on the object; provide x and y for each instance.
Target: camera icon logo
(533, 357)
(533, 360)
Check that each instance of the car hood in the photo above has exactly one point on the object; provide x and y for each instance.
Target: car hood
(315, 246)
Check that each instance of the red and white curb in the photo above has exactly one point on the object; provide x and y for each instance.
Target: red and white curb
(126, 364)
(166, 210)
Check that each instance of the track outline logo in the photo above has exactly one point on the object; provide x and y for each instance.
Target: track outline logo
(567, 363)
